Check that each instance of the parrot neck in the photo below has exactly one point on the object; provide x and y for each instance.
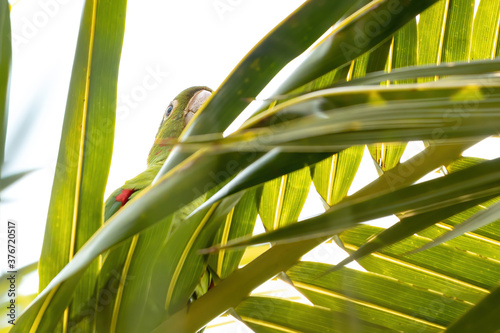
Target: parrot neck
(164, 142)
(158, 154)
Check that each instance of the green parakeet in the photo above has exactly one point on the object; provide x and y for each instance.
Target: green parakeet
(176, 117)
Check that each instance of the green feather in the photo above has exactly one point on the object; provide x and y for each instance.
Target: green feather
(171, 127)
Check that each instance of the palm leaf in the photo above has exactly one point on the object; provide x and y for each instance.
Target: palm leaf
(403, 53)
(283, 199)
(281, 257)
(333, 176)
(266, 314)
(376, 298)
(300, 129)
(482, 317)
(5, 69)
(75, 211)
(238, 223)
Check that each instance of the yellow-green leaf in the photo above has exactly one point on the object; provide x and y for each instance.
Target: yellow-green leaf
(283, 198)
(333, 176)
(76, 205)
(5, 68)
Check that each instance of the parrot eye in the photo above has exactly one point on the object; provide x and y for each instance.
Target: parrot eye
(169, 110)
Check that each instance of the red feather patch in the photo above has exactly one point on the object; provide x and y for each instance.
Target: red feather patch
(124, 196)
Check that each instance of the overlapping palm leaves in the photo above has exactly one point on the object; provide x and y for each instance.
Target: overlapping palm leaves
(333, 104)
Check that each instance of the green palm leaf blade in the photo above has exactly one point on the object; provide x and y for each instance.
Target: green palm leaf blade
(75, 211)
(283, 198)
(403, 54)
(240, 222)
(296, 33)
(364, 124)
(118, 284)
(404, 50)
(144, 255)
(485, 31)
(459, 272)
(376, 298)
(149, 208)
(487, 231)
(417, 199)
(235, 288)
(420, 71)
(481, 318)
(240, 283)
(458, 32)
(428, 279)
(333, 176)
(111, 233)
(267, 314)
(407, 227)
(456, 263)
(330, 61)
(327, 80)
(269, 166)
(473, 241)
(338, 171)
(484, 40)
(326, 105)
(366, 29)
(484, 217)
(158, 202)
(179, 267)
(130, 266)
(421, 277)
(371, 61)
(387, 155)
(463, 163)
(431, 34)
(5, 69)
(444, 32)
(40, 317)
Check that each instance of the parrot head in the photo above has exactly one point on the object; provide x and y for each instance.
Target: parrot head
(177, 115)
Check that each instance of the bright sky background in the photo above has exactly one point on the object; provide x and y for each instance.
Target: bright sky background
(177, 43)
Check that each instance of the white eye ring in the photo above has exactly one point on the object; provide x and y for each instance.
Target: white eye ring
(169, 110)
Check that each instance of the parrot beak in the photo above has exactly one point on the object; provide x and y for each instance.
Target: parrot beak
(194, 104)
